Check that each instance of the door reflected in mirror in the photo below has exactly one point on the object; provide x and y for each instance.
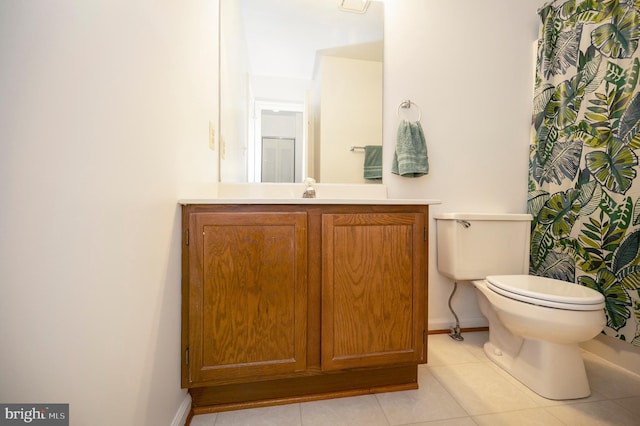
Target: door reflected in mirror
(278, 160)
(300, 83)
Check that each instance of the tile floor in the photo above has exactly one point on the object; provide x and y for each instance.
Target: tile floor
(459, 387)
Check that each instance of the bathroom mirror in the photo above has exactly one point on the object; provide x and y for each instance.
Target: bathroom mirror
(301, 82)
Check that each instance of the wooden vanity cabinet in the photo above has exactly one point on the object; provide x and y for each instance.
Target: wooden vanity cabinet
(373, 276)
(284, 303)
(247, 310)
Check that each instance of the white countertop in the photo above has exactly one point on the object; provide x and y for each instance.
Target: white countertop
(283, 193)
(380, 201)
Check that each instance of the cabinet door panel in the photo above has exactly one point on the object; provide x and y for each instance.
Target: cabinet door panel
(248, 314)
(373, 273)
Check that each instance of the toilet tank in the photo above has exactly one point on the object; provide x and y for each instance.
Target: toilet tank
(474, 245)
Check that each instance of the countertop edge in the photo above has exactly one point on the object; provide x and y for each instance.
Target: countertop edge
(388, 201)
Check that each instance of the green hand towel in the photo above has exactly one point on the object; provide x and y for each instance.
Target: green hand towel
(410, 158)
(373, 162)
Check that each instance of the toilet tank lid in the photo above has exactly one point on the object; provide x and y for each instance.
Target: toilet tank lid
(483, 216)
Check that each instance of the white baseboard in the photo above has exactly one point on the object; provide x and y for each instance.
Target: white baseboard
(615, 351)
(447, 324)
(180, 419)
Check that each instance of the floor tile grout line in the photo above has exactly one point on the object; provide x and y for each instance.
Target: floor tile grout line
(449, 393)
(386, 417)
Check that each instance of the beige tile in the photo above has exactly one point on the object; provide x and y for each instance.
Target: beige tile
(631, 404)
(480, 389)
(474, 343)
(610, 380)
(204, 420)
(597, 413)
(430, 402)
(443, 350)
(281, 415)
(463, 421)
(354, 411)
(539, 400)
(530, 417)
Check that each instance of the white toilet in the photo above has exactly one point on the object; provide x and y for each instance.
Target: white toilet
(535, 323)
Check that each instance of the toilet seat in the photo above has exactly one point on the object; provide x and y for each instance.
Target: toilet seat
(547, 292)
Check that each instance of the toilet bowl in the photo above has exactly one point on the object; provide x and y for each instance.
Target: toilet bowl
(536, 343)
(535, 323)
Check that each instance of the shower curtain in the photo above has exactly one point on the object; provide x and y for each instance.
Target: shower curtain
(584, 188)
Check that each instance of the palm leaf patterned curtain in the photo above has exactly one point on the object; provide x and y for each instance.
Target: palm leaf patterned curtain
(584, 189)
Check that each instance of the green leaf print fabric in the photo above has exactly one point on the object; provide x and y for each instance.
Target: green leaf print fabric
(584, 188)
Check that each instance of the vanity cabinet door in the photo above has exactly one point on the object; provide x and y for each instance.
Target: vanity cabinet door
(373, 281)
(247, 295)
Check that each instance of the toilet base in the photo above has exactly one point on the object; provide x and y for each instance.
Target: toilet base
(552, 370)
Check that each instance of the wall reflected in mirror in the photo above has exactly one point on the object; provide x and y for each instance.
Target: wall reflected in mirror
(300, 83)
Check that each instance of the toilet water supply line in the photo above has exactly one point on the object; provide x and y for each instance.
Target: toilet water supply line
(455, 331)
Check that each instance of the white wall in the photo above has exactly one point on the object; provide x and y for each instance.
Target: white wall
(280, 89)
(468, 65)
(103, 126)
(351, 86)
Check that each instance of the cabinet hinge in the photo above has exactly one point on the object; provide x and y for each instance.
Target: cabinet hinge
(186, 237)
(186, 356)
